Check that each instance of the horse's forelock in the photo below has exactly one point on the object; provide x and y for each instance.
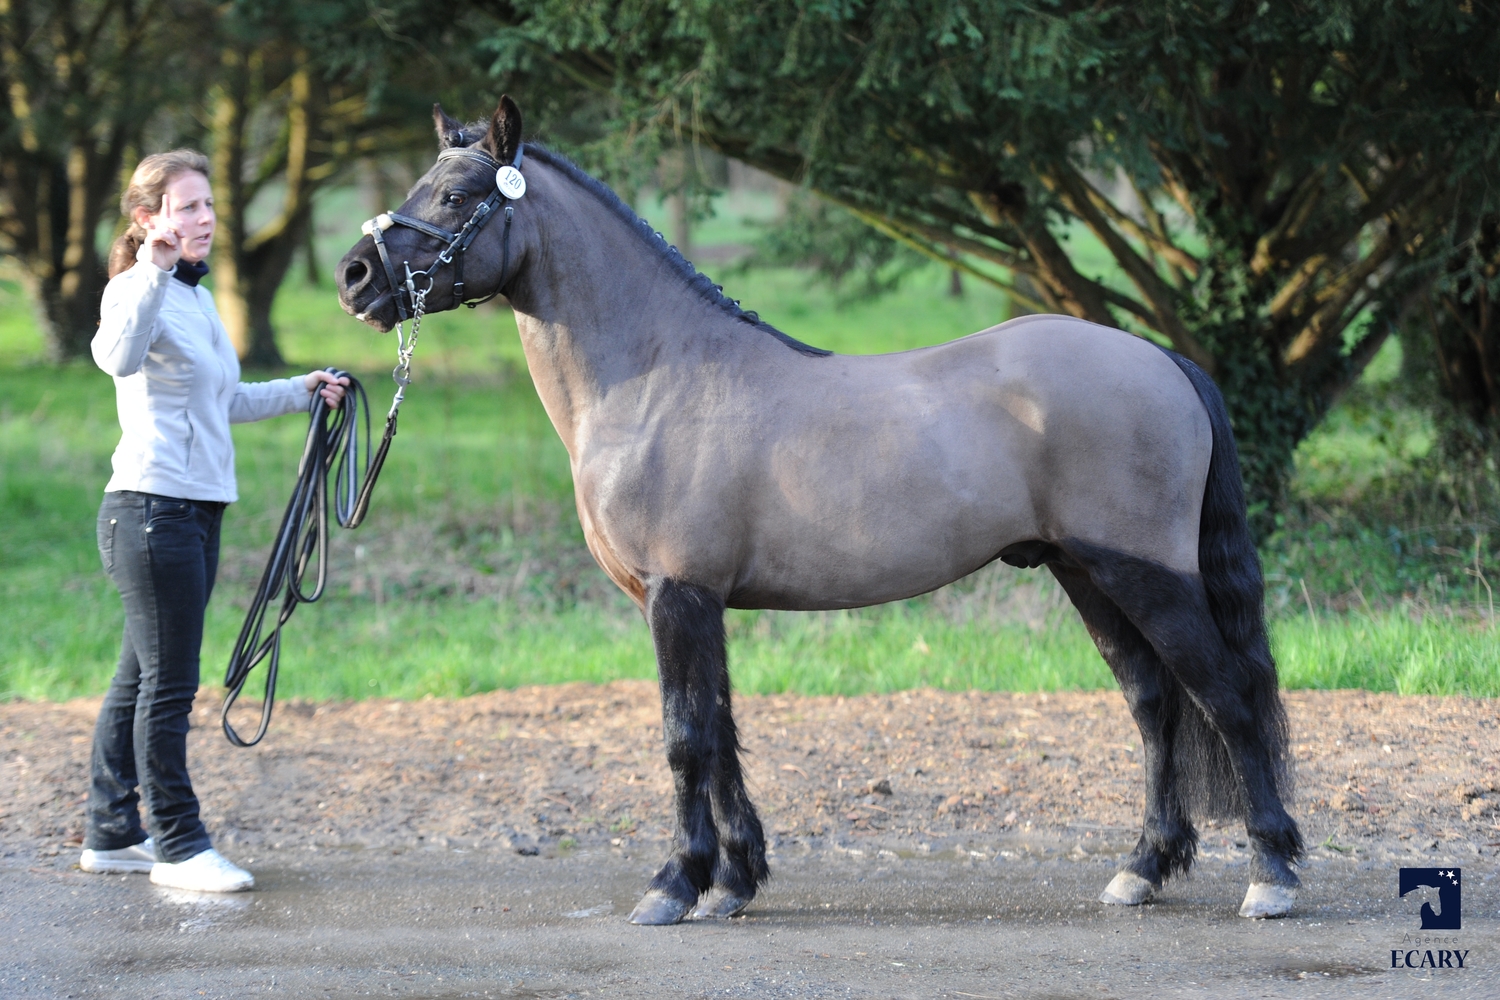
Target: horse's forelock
(475, 131)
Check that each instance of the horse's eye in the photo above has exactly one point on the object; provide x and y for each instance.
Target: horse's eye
(456, 198)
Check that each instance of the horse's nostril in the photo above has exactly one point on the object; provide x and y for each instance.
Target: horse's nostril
(355, 273)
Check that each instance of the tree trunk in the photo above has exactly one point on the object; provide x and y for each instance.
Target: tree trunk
(269, 262)
(59, 259)
(1461, 322)
(231, 100)
(252, 266)
(68, 114)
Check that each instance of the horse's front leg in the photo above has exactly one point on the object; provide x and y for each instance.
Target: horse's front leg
(687, 628)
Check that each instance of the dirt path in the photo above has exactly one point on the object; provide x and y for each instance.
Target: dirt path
(575, 765)
(923, 845)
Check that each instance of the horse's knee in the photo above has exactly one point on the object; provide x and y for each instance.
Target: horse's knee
(688, 753)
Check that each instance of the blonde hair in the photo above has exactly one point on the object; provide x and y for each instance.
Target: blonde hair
(147, 187)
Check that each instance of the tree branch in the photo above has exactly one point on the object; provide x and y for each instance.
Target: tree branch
(1157, 294)
(1159, 243)
(1075, 294)
(893, 229)
(1328, 322)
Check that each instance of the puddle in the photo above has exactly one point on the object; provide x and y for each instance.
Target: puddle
(1324, 970)
(202, 911)
(207, 902)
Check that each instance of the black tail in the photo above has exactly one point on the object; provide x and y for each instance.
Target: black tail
(1230, 569)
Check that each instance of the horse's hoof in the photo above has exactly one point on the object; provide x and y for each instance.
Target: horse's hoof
(1127, 889)
(1267, 900)
(657, 909)
(719, 905)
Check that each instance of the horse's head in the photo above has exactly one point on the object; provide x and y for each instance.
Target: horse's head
(450, 233)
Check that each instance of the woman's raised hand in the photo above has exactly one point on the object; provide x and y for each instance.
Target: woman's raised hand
(163, 245)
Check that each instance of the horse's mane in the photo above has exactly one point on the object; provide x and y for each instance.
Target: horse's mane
(691, 276)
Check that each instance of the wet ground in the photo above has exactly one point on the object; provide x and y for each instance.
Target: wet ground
(926, 844)
(445, 923)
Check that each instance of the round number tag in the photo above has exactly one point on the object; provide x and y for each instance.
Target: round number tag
(510, 182)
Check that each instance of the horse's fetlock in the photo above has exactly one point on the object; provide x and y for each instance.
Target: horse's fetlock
(672, 880)
(1279, 849)
(1272, 869)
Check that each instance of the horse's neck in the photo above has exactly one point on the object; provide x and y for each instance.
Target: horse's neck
(597, 308)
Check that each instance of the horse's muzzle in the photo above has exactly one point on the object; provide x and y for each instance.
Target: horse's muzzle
(360, 292)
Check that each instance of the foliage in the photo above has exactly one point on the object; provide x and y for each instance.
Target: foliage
(814, 233)
(77, 105)
(1454, 333)
(1265, 175)
(303, 91)
(472, 574)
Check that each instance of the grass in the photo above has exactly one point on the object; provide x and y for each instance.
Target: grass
(471, 573)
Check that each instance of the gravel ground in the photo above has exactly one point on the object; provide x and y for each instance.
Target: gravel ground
(557, 768)
(924, 844)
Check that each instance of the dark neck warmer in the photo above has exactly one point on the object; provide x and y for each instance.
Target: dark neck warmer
(190, 272)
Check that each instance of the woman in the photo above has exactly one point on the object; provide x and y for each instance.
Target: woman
(177, 390)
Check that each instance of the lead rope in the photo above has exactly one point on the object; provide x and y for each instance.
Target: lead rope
(332, 446)
(333, 440)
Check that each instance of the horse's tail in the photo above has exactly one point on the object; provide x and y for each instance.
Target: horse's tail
(1231, 574)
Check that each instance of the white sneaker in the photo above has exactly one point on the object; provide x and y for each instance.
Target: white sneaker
(138, 858)
(207, 871)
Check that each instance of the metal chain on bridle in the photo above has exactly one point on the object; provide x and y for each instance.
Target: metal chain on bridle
(333, 440)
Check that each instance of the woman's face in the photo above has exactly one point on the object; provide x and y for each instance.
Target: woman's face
(187, 207)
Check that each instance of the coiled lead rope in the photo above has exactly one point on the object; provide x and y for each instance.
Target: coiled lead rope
(335, 447)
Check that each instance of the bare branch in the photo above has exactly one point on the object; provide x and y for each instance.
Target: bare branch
(1299, 208)
(895, 230)
(1328, 322)
(1158, 226)
(1159, 243)
(1075, 294)
(1157, 294)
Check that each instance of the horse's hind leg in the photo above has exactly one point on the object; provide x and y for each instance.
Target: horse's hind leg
(1168, 840)
(687, 628)
(1234, 689)
(741, 866)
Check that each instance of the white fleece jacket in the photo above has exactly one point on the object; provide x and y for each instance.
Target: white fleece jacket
(177, 387)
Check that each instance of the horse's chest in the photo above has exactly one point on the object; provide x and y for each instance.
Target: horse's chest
(618, 569)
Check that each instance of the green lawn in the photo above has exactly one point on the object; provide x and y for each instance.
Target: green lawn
(471, 572)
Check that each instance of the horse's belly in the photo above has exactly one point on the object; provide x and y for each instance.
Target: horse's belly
(849, 585)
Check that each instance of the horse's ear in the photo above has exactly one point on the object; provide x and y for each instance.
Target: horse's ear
(449, 132)
(504, 137)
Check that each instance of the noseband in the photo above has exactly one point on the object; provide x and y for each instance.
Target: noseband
(407, 293)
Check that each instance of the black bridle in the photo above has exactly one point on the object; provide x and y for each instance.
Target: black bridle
(406, 292)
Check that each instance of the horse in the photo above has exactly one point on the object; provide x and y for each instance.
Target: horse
(719, 463)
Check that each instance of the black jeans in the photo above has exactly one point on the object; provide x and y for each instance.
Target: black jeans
(162, 554)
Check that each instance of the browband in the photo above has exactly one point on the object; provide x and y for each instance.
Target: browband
(474, 153)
